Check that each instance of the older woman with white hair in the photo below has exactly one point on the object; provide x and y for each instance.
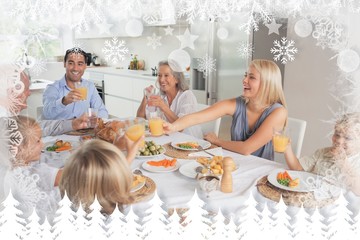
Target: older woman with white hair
(175, 99)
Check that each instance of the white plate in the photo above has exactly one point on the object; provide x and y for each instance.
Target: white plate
(138, 186)
(188, 169)
(73, 146)
(151, 156)
(302, 175)
(160, 169)
(204, 144)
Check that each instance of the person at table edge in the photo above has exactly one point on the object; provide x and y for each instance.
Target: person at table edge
(255, 113)
(62, 101)
(8, 109)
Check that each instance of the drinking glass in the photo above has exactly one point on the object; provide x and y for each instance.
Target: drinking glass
(92, 114)
(82, 89)
(281, 138)
(155, 124)
(148, 92)
(135, 128)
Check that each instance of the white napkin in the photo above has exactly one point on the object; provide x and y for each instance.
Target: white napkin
(215, 151)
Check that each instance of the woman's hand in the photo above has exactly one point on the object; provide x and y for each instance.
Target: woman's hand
(168, 127)
(212, 138)
(156, 101)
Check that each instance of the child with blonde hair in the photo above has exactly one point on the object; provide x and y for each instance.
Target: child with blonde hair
(98, 169)
(340, 163)
(32, 183)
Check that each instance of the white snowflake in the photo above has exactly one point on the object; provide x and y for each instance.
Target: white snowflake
(204, 9)
(256, 14)
(328, 33)
(85, 13)
(79, 45)
(284, 50)
(154, 16)
(245, 50)
(114, 50)
(154, 41)
(39, 67)
(206, 65)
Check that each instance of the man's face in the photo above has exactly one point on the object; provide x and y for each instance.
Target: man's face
(75, 66)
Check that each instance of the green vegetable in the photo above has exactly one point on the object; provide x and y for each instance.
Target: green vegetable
(185, 146)
(52, 148)
(151, 149)
(284, 182)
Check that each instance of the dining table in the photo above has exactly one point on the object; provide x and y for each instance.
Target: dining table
(176, 189)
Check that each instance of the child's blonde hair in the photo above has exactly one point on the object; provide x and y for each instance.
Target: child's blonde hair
(26, 127)
(99, 169)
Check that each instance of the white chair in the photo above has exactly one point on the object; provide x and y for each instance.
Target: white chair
(297, 131)
(39, 111)
(212, 126)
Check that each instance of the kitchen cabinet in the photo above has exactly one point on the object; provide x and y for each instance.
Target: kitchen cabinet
(123, 89)
(119, 107)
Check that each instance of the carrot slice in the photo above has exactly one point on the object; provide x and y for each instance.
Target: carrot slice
(63, 148)
(287, 175)
(163, 163)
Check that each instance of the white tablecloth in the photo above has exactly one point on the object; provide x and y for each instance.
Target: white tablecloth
(176, 190)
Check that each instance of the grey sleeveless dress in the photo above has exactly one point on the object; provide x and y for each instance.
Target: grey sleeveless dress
(240, 127)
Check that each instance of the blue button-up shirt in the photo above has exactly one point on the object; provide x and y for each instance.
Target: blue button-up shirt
(55, 109)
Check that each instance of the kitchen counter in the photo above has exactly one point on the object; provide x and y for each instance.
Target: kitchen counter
(123, 72)
(39, 84)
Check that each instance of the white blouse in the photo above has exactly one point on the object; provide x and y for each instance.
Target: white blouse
(183, 104)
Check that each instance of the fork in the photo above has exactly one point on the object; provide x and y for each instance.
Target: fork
(200, 148)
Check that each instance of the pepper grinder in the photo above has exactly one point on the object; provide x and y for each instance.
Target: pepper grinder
(226, 180)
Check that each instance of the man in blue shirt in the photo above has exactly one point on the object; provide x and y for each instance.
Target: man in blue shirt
(62, 100)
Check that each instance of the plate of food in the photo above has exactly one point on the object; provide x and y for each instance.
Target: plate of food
(151, 150)
(203, 165)
(138, 182)
(60, 146)
(191, 145)
(161, 166)
(295, 181)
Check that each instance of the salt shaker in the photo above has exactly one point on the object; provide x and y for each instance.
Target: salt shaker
(226, 180)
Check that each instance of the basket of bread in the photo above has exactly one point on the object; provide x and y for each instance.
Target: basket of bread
(110, 131)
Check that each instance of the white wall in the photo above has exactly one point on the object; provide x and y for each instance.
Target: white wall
(308, 80)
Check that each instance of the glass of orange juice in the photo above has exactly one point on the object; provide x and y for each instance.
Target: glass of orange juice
(281, 138)
(82, 89)
(135, 128)
(155, 124)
